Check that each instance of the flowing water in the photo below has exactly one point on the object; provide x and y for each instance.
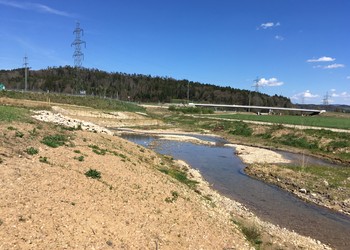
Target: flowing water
(221, 168)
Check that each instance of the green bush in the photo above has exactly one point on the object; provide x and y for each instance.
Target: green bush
(54, 141)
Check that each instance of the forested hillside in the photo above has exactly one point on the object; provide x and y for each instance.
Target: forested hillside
(133, 87)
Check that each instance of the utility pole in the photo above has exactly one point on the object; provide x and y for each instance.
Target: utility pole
(188, 92)
(78, 55)
(25, 64)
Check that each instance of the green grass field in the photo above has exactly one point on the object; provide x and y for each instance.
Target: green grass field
(316, 121)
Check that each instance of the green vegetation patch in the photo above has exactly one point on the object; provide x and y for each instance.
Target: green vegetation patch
(10, 114)
(318, 121)
(242, 129)
(179, 175)
(295, 140)
(335, 176)
(54, 141)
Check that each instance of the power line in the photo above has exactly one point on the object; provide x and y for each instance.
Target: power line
(78, 55)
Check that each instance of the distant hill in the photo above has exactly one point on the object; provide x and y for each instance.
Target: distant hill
(331, 108)
(133, 87)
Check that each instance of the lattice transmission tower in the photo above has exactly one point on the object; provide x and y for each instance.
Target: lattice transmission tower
(326, 99)
(256, 84)
(78, 55)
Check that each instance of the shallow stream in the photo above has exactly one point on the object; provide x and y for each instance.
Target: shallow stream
(224, 170)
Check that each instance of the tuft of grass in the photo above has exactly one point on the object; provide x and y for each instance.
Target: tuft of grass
(43, 160)
(32, 151)
(97, 150)
(33, 132)
(77, 151)
(252, 234)
(79, 158)
(173, 198)
(93, 173)
(19, 134)
(54, 141)
(11, 128)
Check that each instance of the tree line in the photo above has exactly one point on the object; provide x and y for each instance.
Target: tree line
(133, 87)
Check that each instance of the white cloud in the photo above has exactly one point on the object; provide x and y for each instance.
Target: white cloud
(272, 82)
(268, 25)
(35, 7)
(322, 59)
(334, 66)
(280, 38)
(304, 95)
(345, 94)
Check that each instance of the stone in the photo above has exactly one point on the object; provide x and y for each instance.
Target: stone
(302, 190)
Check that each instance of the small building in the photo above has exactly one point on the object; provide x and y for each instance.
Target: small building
(2, 86)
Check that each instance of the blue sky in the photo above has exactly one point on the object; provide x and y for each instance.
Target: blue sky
(297, 48)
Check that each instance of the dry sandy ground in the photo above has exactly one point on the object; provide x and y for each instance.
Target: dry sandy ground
(51, 204)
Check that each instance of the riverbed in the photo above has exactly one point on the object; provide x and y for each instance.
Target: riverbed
(225, 171)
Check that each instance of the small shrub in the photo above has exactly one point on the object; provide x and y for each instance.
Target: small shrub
(77, 151)
(11, 128)
(54, 141)
(93, 173)
(32, 151)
